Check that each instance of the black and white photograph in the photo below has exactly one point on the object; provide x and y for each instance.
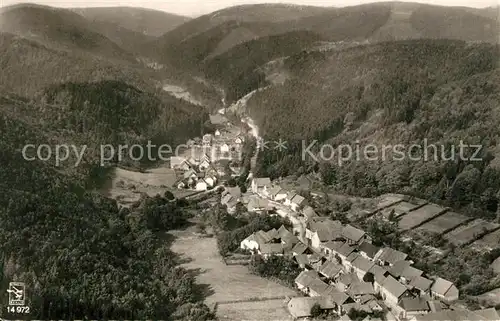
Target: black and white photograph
(244, 160)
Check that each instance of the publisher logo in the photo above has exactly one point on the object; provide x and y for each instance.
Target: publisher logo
(17, 293)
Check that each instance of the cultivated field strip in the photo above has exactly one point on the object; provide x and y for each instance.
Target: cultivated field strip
(445, 223)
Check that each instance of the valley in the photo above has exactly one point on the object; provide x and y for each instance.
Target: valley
(238, 221)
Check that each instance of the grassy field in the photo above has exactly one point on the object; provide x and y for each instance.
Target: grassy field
(270, 310)
(417, 217)
(229, 283)
(468, 233)
(127, 186)
(444, 223)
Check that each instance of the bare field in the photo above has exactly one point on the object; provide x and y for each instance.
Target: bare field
(469, 232)
(445, 222)
(227, 283)
(420, 215)
(270, 310)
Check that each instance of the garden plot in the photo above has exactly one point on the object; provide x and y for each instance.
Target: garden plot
(489, 241)
(470, 232)
(388, 200)
(444, 223)
(399, 209)
(419, 216)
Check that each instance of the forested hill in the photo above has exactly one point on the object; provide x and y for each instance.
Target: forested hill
(29, 66)
(80, 257)
(59, 28)
(441, 91)
(101, 113)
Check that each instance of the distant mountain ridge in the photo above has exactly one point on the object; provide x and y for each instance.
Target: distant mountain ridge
(148, 22)
(220, 31)
(59, 28)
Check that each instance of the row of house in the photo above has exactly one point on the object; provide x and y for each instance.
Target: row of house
(195, 174)
(263, 187)
(274, 242)
(364, 275)
(357, 267)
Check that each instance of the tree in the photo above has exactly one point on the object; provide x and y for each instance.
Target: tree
(316, 310)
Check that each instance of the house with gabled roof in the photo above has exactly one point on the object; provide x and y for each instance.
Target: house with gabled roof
(302, 260)
(269, 249)
(317, 287)
(309, 212)
(205, 162)
(344, 251)
(323, 230)
(352, 235)
(257, 204)
(330, 270)
(230, 197)
(255, 241)
(347, 263)
(260, 185)
(389, 256)
(298, 202)
(304, 280)
(421, 285)
(378, 272)
(277, 194)
(177, 162)
(409, 274)
(316, 260)
(445, 290)
(300, 307)
(345, 280)
(330, 248)
(361, 266)
(360, 288)
(301, 248)
(368, 250)
(391, 291)
(410, 307)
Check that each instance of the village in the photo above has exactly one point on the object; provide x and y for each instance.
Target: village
(342, 271)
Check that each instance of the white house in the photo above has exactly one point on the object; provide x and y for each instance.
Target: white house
(217, 133)
(211, 180)
(224, 148)
(260, 185)
(201, 185)
(254, 241)
(239, 140)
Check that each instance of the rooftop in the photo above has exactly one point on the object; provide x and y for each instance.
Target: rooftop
(369, 249)
(352, 233)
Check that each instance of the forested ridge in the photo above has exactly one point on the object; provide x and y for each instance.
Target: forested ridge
(79, 255)
(408, 92)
